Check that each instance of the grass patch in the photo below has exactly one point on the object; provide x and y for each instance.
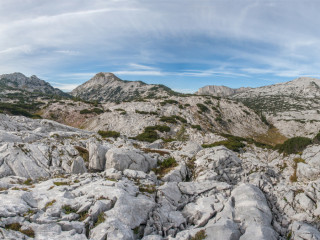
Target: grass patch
(84, 153)
(272, 137)
(28, 182)
(61, 183)
(294, 145)
(236, 143)
(83, 216)
(67, 209)
(109, 134)
(17, 227)
(101, 219)
(49, 204)
(199, 235)
(148, 189)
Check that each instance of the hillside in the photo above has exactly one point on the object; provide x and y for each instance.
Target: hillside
(21, 95)
(104, 87)
(19, 82)
(292, 107)
(196, 116)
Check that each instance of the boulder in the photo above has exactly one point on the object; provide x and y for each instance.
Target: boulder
(97, 156)
(303, 231)
(122, 159)
(78, 166)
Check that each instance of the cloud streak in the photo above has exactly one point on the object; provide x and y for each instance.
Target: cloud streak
(199, 41)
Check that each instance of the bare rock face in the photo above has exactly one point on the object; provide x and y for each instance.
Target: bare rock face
(60, 182)
(220, 91)
(292, 107)
(108, 87)
(97, 156)
(31, 84)
(121, 159)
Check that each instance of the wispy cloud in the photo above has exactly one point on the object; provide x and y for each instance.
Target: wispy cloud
(248, 39)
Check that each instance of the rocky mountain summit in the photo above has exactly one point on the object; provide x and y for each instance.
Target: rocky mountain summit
(105, 87)
(220, 91)
(59, 182)
(19, 82)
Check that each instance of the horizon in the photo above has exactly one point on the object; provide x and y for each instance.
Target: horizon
(184, 45)
(70, 89)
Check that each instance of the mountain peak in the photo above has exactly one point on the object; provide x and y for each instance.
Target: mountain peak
(18, 80)
(106, 86)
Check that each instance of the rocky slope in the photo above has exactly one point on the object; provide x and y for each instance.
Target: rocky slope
(220, 91)
(192, 116)
(292, 107)
(18, 82)
(58, 182)
(105, 87)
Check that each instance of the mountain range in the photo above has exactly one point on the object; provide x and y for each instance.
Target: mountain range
(123, 160)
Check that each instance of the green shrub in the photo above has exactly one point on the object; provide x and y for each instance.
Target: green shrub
(171, 119)
(203, 108)
(160, 128)
(294, 145)
(169, 101)
(219, 119)
(147, 136)
(181, 119)
(198, 127)
(168, 162)
(150, 135)
(233, 145)
(85, 111)
(146, 113)
(120, 110)
(94, 110)
(108, 134)
(165, 166)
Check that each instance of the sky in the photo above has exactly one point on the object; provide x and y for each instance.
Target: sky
(184, 44)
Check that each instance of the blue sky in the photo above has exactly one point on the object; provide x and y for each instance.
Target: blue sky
(184, 44)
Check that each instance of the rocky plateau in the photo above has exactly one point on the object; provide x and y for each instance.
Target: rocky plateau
(178, 167)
